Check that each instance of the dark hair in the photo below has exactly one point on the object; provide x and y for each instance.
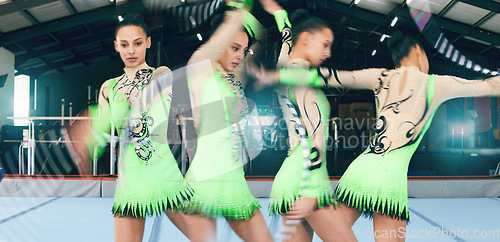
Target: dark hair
(400, 46)
(217, 20)
(303, 21)
(134, 19)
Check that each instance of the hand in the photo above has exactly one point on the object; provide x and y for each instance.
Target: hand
(240, 4)
(263, 76)
(76, 137)
(302, 208)
(270, 6)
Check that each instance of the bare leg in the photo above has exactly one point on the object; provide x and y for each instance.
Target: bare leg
(179, 220)
(297, 232)
(201, 228)
(253, 229)
(351, 214)
(331, 225)
(386, 228)
(129, 229)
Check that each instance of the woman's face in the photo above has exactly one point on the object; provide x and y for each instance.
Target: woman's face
(319, 46)
(234, 53)
(131, 42)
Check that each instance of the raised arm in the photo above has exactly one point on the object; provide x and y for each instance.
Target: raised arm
(284, 26)
(448, 87)
(200, 66)
(220, 39)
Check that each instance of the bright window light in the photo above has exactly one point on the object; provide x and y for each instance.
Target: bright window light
(21, 99)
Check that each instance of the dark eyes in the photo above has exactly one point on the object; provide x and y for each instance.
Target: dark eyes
(136, 44)
(236, 48)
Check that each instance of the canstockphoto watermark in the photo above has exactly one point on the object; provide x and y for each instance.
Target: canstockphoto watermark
(435, 233)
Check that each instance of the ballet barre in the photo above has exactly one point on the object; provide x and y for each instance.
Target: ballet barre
(30, 144)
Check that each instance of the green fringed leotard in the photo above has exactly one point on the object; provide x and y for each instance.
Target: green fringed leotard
(149, 180)
(220, 111)
(376, 180)
(406, 100)
(313, 109)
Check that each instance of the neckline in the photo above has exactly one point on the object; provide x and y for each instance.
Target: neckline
(131, 72)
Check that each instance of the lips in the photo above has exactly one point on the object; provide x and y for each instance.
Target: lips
(235, 64)
(132, 59)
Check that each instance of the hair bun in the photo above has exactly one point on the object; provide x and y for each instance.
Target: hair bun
(134, 16)
(299, 15)
(395, 39)
(133, 19)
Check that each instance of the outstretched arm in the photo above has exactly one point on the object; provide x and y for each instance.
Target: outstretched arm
(329, 77)
(448, 87)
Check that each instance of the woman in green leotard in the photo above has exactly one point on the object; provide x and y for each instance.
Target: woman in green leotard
(375, 184)
(149, 181)
(306, 42)
(220, 111)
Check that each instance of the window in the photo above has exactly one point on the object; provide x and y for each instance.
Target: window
(21, 99)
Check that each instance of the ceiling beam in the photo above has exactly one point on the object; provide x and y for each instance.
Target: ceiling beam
(18, 6)
(30, 17)
(362, 15)
(483, 19)
(36, 72)
(107, 12)
(491, 5)
(369, 16)
(447, 8)
(462, 29)
(105, 36)
(70, 7)
(486, 49)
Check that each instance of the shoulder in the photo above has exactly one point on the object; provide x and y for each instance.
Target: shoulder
(161, 71)
(108, 84)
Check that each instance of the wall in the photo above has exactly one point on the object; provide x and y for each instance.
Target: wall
(71, 85)
(6, 92)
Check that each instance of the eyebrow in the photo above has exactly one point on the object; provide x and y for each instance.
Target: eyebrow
(237, 44)
(134, 40)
